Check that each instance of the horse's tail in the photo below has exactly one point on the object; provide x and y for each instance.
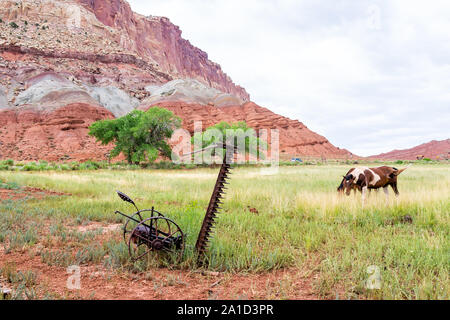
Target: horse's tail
(401, 170)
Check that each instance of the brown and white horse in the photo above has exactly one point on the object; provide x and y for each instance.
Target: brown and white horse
(363, 179)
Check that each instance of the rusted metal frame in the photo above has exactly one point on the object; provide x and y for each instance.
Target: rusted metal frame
(214, 203)
(140, 222)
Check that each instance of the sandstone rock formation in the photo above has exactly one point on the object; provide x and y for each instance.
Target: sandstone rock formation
(435, 150)
(67, 63)
(107, 31)
(55, 136)
(158, 38)
(45, 92)
(191, 91)
(294, 137)
(3, 98)
(115, 100)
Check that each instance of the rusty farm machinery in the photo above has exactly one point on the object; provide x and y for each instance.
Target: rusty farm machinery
(159, 233)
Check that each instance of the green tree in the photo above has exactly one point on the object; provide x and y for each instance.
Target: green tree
(139, 135)
(236, 134)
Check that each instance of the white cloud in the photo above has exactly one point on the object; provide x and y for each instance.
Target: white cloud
(371, 76)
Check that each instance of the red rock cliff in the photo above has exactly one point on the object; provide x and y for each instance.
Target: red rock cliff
(294, 137)
(54, 136)
(158, 38)
(69, 63)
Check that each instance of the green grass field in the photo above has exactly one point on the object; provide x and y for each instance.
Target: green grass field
(301, 223)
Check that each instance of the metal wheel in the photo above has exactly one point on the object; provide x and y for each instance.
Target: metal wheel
(131, 224)
(155, 234)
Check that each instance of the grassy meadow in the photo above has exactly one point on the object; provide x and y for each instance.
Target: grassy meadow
(301, 222)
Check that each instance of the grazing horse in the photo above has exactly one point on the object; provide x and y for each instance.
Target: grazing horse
(363, 179)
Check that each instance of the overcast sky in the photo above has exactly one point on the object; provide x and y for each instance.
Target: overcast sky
(371, 76)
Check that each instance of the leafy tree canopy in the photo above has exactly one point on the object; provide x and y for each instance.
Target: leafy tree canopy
(236, 134)
(139, 135)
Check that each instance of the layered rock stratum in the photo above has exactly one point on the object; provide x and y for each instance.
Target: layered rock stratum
(294, 137)
(435, 150)
(67, 63)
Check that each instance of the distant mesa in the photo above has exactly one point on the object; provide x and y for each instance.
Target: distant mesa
(434, 150)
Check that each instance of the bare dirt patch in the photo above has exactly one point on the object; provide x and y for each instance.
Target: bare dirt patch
(28, 192)
(98, 282)
(96, 226)
(102, 283)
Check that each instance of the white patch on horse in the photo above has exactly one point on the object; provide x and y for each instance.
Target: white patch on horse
(361, 170)
(357, 172)
(375, 179)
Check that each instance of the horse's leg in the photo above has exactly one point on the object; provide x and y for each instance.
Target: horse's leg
(363, 195)
(386, 192)
(394, 187)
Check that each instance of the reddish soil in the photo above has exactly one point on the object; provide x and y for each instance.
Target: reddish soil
(164, 284)
(27, 192)
(98, 282)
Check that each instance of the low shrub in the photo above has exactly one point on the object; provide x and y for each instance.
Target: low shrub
(9, 185)
(31, 167)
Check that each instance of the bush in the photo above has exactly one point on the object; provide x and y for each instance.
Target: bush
(83, 166)
(9, 185)
(13, 25)
(43, 165)
(65, 167)
(31, 167)
(117, 254)
(163, 165)
(92, 165)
